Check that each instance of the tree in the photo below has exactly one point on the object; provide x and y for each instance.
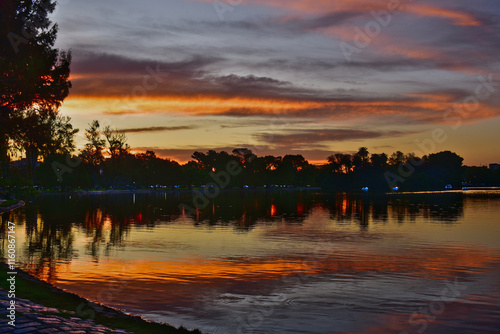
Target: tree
(289, 168)
(413, 159)
(379, 160)
(360, 159)
(43, 132)
(244, 154)
(446, 167)
(334, 163)
(446, 159)
(271, 162)
(92, 154)
(117, 143)
(295, 161)
(397, 158)
(62, 136)
(32, 72)
(346, 163)
(340, 163)
(201, 160)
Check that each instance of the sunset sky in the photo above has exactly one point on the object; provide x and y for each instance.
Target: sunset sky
(288, 76)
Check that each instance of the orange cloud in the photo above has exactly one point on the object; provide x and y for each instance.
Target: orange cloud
(425, 108)
(457, 17)
(364, 6)
(359, 12)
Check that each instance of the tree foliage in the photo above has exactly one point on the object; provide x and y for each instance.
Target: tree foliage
(33, 78)
(93, 153)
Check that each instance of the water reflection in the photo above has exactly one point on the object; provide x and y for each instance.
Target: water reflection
(376, 258)
(106, 219)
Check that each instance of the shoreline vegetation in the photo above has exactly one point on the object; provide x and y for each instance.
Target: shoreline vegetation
(9, 205)
(244, 170)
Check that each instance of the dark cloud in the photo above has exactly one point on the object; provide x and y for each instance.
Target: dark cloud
(105, 75)
(111, 75)
(157, 129)
(248, 82)
(109, 64)
(323, 21)
(300, 138)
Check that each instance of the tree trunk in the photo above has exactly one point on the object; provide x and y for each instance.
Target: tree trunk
(4, 154)
(4, 143)
(31, 160)
(4, 157)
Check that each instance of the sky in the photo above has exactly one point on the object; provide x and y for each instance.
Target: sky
(287, 76)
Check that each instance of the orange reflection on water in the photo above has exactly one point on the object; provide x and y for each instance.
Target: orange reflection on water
(273, 210)
(436, 263)
(344, 204)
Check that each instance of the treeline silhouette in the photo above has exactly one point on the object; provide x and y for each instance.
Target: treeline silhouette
(106, 163)
(242, 169)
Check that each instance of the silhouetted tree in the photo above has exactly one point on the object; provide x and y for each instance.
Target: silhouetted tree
(244, 154)
(396, 158)
(42, 133)
(379, 160)
(92, 154)
(340, 162)
(335, 163)
(446, 168)
(360, 159)
(117, 143)
(32, 72)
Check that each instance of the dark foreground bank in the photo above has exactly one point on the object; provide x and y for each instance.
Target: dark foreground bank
(43, 304)
(9, 205)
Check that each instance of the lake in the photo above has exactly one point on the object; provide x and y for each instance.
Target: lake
(278, 262)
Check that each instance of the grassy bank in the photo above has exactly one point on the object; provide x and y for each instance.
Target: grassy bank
(35, 290)
(8, 203)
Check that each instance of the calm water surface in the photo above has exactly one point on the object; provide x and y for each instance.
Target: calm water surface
(275, 263)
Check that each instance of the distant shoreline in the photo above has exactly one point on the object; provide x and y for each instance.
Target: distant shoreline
(171, 191)
(234, 190)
